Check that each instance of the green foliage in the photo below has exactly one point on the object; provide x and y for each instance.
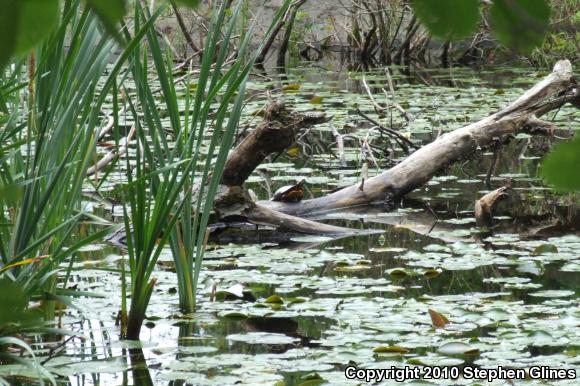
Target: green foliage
(23, 23)
(188, 245)
(35, 17)
(111, 12)
(560, 168)
(8, 20)
(46, 153)
(448, 19)
(520, 24)
(173, 203)
(156, 200)
(575, 19)
(563, 37)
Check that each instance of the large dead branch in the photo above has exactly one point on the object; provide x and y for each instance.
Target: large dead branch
(233, 202)
(551, 93)
(276, 132)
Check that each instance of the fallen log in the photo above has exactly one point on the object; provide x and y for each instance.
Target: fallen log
(279, 128)
(551, 93)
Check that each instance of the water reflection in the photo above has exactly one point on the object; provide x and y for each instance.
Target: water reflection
(139, 369)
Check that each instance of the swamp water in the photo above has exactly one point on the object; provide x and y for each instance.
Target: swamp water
(300, 311)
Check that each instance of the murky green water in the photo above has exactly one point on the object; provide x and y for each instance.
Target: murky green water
(302, 310)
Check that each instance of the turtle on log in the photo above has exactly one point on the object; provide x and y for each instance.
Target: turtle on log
(290, 193)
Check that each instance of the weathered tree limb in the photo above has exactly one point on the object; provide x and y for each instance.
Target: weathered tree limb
(233, 201)
(552, 92)
(276, 132)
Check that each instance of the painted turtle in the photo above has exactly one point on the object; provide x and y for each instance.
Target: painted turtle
(290, 193)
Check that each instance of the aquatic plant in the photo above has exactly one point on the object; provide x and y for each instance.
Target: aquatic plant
(49, 133)
(171, 190)
(50, 123)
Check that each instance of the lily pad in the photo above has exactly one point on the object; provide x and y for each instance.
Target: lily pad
(457, 348)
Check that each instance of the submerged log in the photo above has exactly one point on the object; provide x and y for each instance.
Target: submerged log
(483, 209)
(551, 93)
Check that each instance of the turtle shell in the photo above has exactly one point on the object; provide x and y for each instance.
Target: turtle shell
(290, 193)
